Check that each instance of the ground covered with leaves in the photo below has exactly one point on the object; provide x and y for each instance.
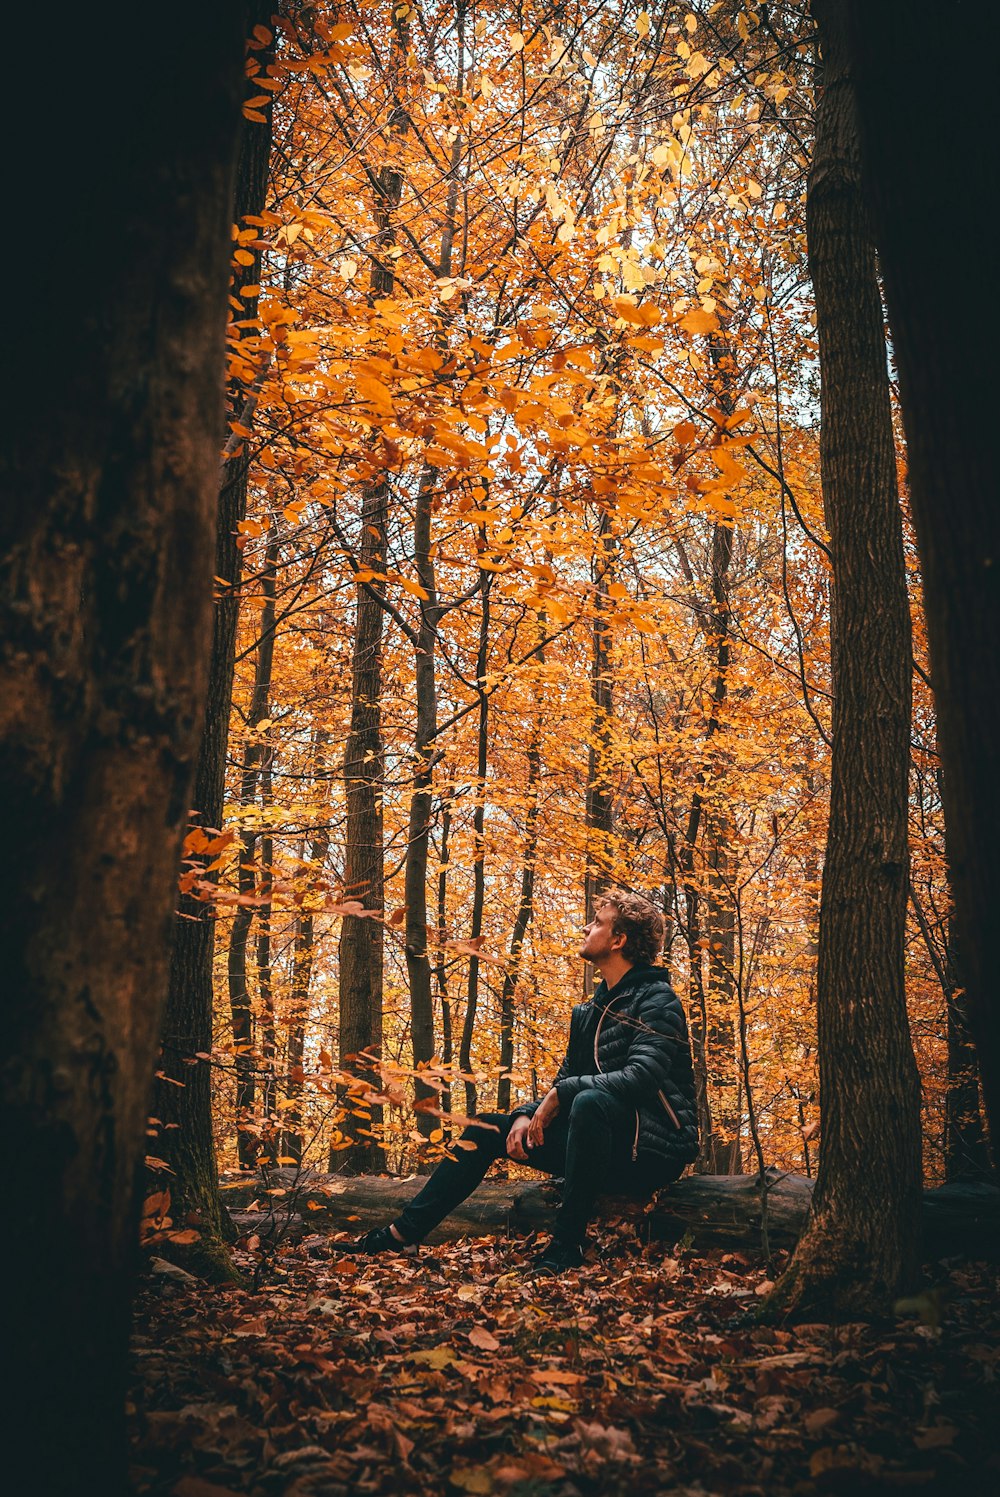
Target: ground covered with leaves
(643, 1372)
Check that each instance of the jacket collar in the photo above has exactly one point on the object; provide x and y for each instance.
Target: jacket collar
(604, 997)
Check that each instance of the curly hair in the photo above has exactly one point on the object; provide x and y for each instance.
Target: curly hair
(639, 922)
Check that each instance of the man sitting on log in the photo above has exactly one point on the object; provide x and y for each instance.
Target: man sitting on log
(620, 1116)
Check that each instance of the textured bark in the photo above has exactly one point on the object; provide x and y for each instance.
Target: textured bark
(948, 397)
(966, 1153)
(860, 1249)
(185, 1111)
(108, 485)
(711, 1209)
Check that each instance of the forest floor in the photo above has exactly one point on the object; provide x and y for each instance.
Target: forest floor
(641, 1373)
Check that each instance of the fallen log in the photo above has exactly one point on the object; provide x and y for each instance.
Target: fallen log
(961, 1220)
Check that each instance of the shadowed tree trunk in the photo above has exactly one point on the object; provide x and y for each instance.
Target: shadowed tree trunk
(949, 407)
(861, 1246)
(185, 1140)
(108, 487)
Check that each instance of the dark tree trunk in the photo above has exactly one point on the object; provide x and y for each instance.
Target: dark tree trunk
(418, 961)
(441, 965)
(108, 486)
(966, 1154)
(183, 1094)
(948, 397)
(265, 985)
(599, 807)
(723, 1078)
(479, 855)
(525, 910)
(362, 941)
(861, 1246)
(706, 1209)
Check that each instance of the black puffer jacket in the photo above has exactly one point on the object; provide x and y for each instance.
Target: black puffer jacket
(632, 1042)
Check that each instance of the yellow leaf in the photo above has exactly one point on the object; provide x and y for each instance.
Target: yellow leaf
(413, 588)
(436, 1358)
(642, 23)
(475, 1479)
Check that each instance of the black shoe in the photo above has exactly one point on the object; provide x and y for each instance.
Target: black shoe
(378, 1240)
(558, 1258)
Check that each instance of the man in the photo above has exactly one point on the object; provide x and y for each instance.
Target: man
(620, 1114)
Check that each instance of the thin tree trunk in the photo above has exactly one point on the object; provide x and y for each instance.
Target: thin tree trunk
(303, 963)
(362, 943)
(723, 1021)
(265, 982)
(861, 1246)
(418, 962)
(599, 808)
(479, 854)
(949, 405)
(182, 1100)
(719, 638)
(441, 965)
(108, 488)
(525, 910)
(255, 752)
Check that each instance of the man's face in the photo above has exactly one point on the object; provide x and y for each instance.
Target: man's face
(599, 942)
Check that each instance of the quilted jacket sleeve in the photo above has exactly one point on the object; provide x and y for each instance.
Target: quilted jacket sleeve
(650, 1035)
(527, 1109)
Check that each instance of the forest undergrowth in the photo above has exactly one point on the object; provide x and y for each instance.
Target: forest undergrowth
(643, 1372)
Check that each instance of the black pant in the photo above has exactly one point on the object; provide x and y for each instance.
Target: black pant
(591, 1146)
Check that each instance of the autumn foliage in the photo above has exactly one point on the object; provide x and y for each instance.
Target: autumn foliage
(539, 279)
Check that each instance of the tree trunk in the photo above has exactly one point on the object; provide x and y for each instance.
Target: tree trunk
(522, 920)
(860, 1248)
(479, 855)
(441, 965)
(418, 961)
(949, 406)
(265, 985)
(362, 938)
(722, 1024)
(255, 754)
(108, 486)
(183, 1094)
(599, 809)
(966, 1154)
(708, 1209)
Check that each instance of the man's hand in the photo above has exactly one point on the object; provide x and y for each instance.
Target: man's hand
(547, 1109)
(515, 1140)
